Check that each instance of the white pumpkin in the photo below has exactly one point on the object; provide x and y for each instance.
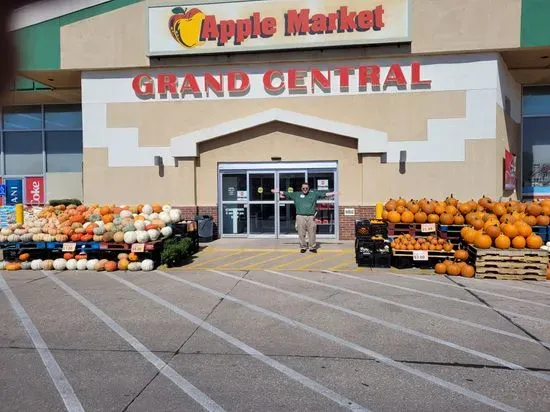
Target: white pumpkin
(35, 230)
(85, 225)
(100, 230)
(2, 265)
(39, 237)
(139, 225)
(125, 213)
(134, 266)
(27, 237)
(37, 264)
(130, 237)
(154, 234)
(14, 238)
(147, 265)
(165, 217)
(19, 232)
(90, 264)
(71, 264)
(147, 209)
(548, 244)
(153, 216)
(166, 208)
(59, 264)
(3, 238)
(142, 236)
(175, 215)
(147, 222)
(25, 265)
(5, 232)
(81, 264)
(166, 231)
(48, 238)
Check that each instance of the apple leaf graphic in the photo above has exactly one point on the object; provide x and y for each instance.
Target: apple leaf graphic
(178, 10)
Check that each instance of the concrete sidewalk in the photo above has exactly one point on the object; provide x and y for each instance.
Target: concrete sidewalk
(278, 244)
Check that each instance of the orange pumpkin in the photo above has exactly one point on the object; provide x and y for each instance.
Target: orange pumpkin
(389, 206)
(81, 256)
(502, 242)
(446, 219)
(499, 209)
(458, 220)
(447, 247)
(477, 224)
(133, 257)
(534, 241)
(107, 218)
(543, 220)
(105, 210)
(76, 237)
(123, 264)
(461, 254)
(518, 242)
(523, 229)
(469, 235)
(493, 231)
(509, 230)
(468, 271)
(420, 217)
(86, 237)
(483, 241)
(23, 257)
(407, 217)
(433, 218)
(157, 208)
(110, 266)
(440, 268)
(534, 209)
(68, 256)
(453, 270)
(393, 217)
(530, 220)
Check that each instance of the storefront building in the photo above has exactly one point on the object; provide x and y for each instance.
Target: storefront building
(209, 105)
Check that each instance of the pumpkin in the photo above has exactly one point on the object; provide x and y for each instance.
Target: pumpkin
(518, 242)
(175, 214)
(483, 241)
(36, 264)
(406, 217)
(530, 220)
(453, 269)
(99, 230)
(24, 257)
(499, 209)
(100, 266)
(446, 219)
(543, 220)
(461, 254)
(82, 264)
(439, 209)
(148, 209)
(440, 268)
(13, 266)
(493, 231)
(118, 237)
(523, 229)
(502, 242)
(420, 217)
(86, 238)
(47, 264)
(447, 247)
(165, 216)
(68, 256)
(393, 217)
(134, 266)
(478, 224)
(81, 256)
(534, 241)
(59, 264)
(458, 220)
(133, 257)
(139, 225)
(105, 210)
(154, 234)
(121, 256)
(71, 264)
(147, 265)
(142, 236)
(509, 230)
(130, 237)
(91, 264)
(110, 266)
(468, 271)
(129, 228)
(97, 238)
(166, 231)
(123, 264)
(534, 209)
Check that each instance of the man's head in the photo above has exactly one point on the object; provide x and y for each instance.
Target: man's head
(305, 187)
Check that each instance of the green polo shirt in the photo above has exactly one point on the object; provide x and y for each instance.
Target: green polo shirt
(305, 204)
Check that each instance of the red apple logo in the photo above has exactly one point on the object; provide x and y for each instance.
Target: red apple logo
(185, 26)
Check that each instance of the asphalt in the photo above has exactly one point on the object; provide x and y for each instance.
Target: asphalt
(252, 340)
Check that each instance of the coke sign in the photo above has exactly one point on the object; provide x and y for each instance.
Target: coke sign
(34, 190)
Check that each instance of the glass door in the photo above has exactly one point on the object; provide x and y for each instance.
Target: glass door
(324, 181)
(234, 204)
(290, 181)
(261, 207)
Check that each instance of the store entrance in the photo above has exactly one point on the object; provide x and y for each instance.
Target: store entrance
(248, 208)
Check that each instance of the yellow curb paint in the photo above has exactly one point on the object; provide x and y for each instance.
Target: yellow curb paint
(256, 265)
(322, 260)
(342, 265)
(245, 259)
(208, 261)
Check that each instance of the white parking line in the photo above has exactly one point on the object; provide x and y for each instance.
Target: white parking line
(436, 295)
(383, 359)
(64, 388)
(291, 373)
(486, 292)
(201, 398)
(416, 309)
(390, 325)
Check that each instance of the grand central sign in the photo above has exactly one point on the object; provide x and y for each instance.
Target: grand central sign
(272, 25)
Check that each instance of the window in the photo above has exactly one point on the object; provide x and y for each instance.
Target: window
(64, 151)
(23, 153)
(536, 154)
(536, 101)
(22, 118)
(63, 117)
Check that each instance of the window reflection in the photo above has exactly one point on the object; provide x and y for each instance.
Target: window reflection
(22, 118)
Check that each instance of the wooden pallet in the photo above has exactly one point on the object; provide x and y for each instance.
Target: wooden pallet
(510, 277)
(516, 255)
(510, 265)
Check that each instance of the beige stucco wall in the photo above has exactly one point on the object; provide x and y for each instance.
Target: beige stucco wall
(402, 116)
(134, 185)
(114, 39)
(63, 186)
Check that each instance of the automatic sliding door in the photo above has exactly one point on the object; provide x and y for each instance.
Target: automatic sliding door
(324, 181)
(262, 219)
(289, 182)
(234, 216)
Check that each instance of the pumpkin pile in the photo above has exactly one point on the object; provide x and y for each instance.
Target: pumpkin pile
(408, 242)
(80, 261)
(505, 234)
(108, 223)
(453, 212)
(456, 267)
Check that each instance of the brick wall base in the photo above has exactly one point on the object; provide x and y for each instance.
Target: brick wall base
(347, 223)
(190, 212)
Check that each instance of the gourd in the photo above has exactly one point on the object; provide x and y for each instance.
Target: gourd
(147, 265)
(129, 228)
(59, 264)
(154, 234)
(121, 256)
(37, 264)
(47, 264)
(123, 264)
(130, 237)
(142, 236)
(25, 265)
(118, 237)
(71, 264)
(91, 264)
(133, 257)
(134, 266)
(100, 230)
(24, 257)
(98, 238)
(147, 209)
(166, 231)
(110, 266)
(27, 237)
(14, 238)
(175, 215)
(82, 264)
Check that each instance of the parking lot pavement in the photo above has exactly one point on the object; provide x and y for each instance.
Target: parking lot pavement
(271, 338)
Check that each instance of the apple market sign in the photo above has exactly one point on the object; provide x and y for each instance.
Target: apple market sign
(275, 24)
(341, 79)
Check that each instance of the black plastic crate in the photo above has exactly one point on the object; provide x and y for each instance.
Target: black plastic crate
(382, 260)
(366, 229)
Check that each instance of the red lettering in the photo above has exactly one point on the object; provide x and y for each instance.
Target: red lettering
(269, 26)
(227, 30)
(209, 29)
(189, 85)
(395, 76)
(347, 20)
(378, 18)
(332, 19)
(210, 82)
(256, 30)
(268, 80)
(143, 85)
(318, 24)
(296, 80)
(415, 76)
(243, 29)
(296, 23)
(320, 80)
(364, 20)
(233, 77)
(369, 74)
(344, 73)
(167, 83)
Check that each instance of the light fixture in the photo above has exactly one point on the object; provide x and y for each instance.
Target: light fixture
(276, 159)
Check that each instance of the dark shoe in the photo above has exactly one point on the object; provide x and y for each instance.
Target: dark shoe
(313, 250)
(302, 250)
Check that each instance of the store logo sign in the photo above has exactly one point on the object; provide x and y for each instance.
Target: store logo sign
(281, 24)
(14, 193)
(34, 190)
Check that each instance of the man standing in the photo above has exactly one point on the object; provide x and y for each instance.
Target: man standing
(305, 202)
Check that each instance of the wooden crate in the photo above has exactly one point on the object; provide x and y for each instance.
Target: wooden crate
(511, 264)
